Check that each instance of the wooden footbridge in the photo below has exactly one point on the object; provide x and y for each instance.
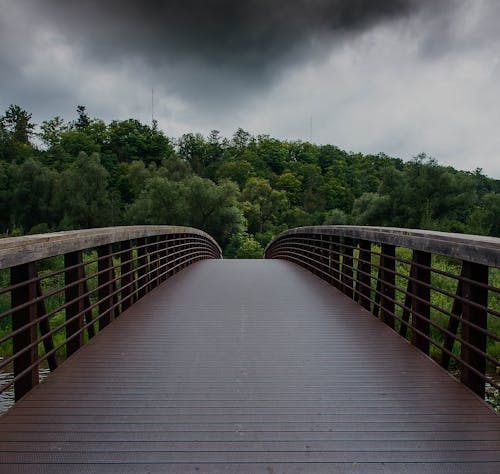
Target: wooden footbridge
(166, 358)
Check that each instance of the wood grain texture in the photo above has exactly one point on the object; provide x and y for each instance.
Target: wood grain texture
(249, 366)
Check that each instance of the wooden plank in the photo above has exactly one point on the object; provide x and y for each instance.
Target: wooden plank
(241, 366)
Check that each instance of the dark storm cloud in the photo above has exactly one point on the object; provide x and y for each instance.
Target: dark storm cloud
(252, 38)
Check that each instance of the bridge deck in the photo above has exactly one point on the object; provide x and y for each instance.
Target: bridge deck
(254, 366)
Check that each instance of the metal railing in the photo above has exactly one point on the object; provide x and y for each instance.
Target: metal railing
(438, 290)
(58, 290)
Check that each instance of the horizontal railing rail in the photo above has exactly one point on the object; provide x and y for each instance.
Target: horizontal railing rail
(58, 290)
(438, 290)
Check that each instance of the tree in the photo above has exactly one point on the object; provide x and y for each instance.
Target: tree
(292, 185)
(236, 171)
(262, 205)
(16, 130)
(130, 179)
(16, 123)
(336, 217)
(51, 131)
(192, 148)
(83, 120)
(33, 187)
(130, 140)
(83, 199)
(244, 245)
(194, 201)
(215, 208)
(371, 209)
(485, 217)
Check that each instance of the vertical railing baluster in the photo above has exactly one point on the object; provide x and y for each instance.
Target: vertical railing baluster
(421, 301)
(474, 275)
(26, 316)
(74, 292)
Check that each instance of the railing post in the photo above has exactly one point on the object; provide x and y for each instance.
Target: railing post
(421, 301)
(105, 282)
(363, 274)
(126, 278)
(471, 314)
(25, 273)
(388, 281)
(73, 279)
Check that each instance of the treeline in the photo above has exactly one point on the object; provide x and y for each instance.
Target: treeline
(242, 190)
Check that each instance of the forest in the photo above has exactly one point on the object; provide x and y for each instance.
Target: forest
(243, 190)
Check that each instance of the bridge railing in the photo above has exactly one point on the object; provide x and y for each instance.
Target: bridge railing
(438, 290)
(58, 290)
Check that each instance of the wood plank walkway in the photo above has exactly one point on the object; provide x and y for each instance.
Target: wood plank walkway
(249, 366)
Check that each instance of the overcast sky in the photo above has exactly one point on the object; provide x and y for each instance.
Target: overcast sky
(399, 76)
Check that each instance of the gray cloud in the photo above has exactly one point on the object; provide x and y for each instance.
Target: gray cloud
(201, 48)
(244, 34)
(399, 77)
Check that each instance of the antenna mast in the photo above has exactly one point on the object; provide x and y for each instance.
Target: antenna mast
(152, 107)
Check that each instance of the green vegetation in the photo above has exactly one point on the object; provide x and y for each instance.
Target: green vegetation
(242, 190)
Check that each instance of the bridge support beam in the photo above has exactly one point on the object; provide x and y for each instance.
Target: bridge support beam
(25, 317)
(474, 313)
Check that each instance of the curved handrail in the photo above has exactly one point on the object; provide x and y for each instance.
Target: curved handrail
(19, 250)
(51, 308)
(473, 248)
(447, 309)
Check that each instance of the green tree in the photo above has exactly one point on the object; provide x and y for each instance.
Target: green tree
(33, 187)
(51, 131)
(292, 185)
(485, 217)
(236, 171)
(262, 205)
(336, 217)
(244, 245)
(16, 130)
(372, 209)
(194, 201)
(130, 140)
(16, 122)
(83, 199)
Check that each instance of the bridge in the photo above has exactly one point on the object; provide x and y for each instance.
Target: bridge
(348, 349)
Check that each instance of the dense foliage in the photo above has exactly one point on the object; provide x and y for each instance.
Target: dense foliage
(242, 190)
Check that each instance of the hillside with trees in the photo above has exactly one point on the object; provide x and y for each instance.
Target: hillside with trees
(242, 190)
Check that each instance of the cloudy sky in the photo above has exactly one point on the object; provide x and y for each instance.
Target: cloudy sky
(398, 76)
